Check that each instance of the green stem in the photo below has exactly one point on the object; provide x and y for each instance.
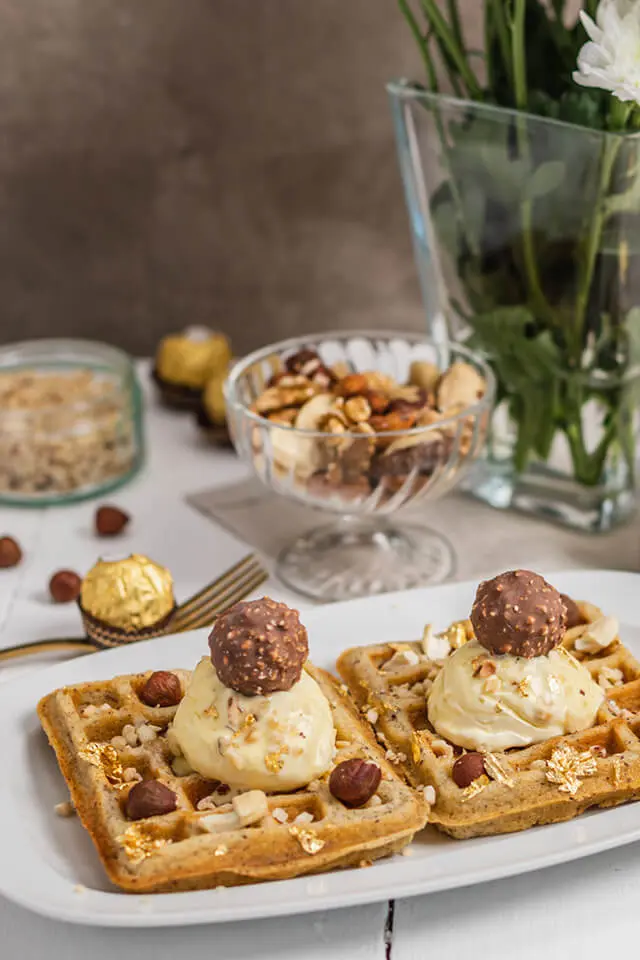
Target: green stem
(454, 18)
(488, 44)
(422, 44)
(502, 31)
(538, 299)
(519, 55)
(447, 39)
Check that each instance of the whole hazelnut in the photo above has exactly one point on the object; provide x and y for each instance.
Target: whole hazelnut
(353, 782)
(150, 798)
(162, 689)
(467, 768)
(10, 553)
(110, 521)
(64, 586)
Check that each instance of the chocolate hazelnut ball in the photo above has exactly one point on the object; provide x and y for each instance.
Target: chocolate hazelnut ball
(574, 614)
(259, 647)
(518, 613)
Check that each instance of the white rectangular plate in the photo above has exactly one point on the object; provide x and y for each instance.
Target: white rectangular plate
(49, 865)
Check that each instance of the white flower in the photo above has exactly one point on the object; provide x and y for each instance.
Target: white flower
(611, 60)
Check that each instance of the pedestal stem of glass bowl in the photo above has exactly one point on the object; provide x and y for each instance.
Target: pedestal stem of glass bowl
(359, 555)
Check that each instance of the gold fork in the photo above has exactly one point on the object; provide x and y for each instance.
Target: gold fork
(200, 610)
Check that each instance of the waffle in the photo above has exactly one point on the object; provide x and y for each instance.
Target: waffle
(544, 783)
(175, 851)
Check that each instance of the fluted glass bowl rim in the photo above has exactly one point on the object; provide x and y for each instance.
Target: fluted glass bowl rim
(478, 360)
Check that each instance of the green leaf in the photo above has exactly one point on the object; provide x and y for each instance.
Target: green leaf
(547, 178)
(522, 355)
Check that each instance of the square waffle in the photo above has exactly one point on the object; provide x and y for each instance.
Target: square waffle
(178, 851)
(544, 783)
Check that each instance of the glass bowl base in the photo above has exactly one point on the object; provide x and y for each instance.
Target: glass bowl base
(358, 558)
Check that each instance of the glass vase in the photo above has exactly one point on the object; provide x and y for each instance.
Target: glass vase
(527, 240)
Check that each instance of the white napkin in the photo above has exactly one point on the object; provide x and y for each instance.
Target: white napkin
(484, 540)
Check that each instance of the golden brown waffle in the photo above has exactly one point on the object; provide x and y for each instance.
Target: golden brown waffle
(548, 782)
(176, 851)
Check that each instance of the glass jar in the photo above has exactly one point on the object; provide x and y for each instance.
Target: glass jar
(70, 421)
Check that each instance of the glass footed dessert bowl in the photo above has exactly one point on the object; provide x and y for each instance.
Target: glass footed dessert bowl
(360, 426)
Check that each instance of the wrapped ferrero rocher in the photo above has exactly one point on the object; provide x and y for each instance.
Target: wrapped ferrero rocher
(186, 361)
(213, 400)
(132, 595)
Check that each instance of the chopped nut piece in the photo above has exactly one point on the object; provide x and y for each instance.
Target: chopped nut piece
(250, 807)
(483, 667)
(280, 815)
(598, 635)
(304, 817)
(492, 684)
(372, 716)
(131, 775)
(357, 409)
(430, 795)
(220, 822)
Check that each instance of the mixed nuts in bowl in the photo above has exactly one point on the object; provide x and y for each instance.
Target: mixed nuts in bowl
(361, 425)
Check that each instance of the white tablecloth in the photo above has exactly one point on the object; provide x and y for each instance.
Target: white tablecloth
(585, 909)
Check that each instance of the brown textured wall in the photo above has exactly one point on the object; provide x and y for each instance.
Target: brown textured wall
(200, 161)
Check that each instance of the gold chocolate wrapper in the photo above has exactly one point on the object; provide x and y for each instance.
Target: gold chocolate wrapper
(191, 358)
(131, 594)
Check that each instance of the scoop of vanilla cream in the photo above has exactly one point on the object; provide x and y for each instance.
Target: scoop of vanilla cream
(524, 701)
(272, 743)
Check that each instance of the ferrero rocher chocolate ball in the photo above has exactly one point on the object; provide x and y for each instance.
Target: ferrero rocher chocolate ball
(190, 358)
(259, 647)
(574, 613)
(132, 594)
(518, 613)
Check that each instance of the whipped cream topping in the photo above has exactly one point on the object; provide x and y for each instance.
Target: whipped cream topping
(272, 743)
(520, 702)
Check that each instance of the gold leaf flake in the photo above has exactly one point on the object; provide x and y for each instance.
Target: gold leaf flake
(565, 767)
(524, 687)
(212, 712)
(456, 634)
(496, 771)
(416, 753)
(139, 845)
(274, 762)
(245, 726)
(105, 757)
(308, 839)
(475, 788)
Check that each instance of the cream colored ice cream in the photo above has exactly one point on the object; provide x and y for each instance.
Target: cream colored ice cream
(522, 701)
(272, 743)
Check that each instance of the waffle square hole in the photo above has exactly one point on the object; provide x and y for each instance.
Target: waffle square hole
(106, 726)
(417, 713)
(308, 809)
(94, 702)
(625, 698)
(196, 788)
